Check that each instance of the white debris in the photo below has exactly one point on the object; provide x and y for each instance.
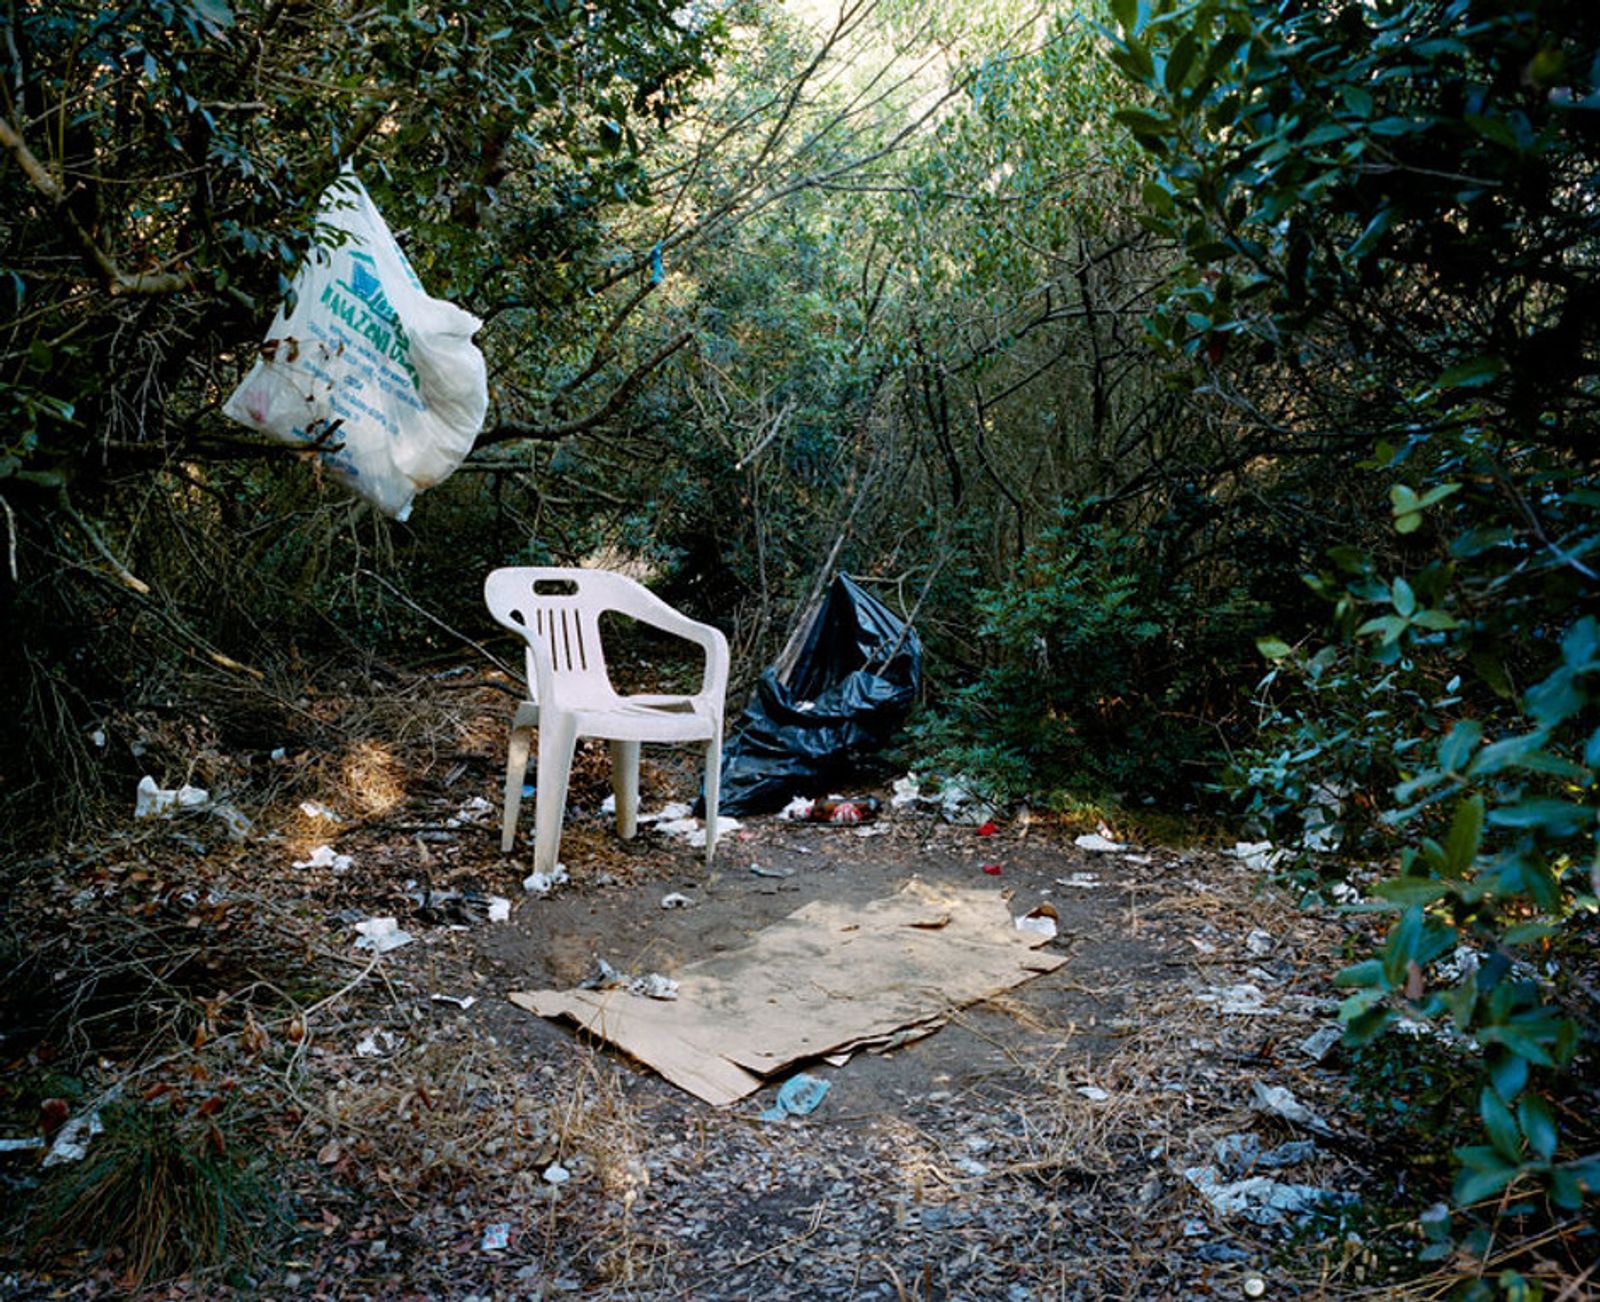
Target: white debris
(72, 1140)
(676, 900)
(278, 753)
(555, 1173)
(25, 1145)
(668, 813)
(471, 813)
(609, 805)
(463, 1002)
(380, 935)
(907, 791)
(499, 909)
(1137, 858)
(1259, 943)
(1080, 881)
(725, 826)
(1093, 1093)
(1097, 844)
(797, 810)
(961, 806)
(538, 883)
(971, 1166)
(324, 857)
(1242, 1000)
(1042, 921)
(377, 1044)
(1259, 1199)
(496, 1237)
(98, 737)
(1320, 1042)
(151, 801)
(1258, 856)
(315, 808)
(1281, 1102)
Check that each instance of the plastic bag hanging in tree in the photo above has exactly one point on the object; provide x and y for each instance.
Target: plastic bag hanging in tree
(849, 688)
(382, 379)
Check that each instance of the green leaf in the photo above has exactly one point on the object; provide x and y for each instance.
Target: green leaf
(1411, 890)
(1554, 818)
(1367, 973)
(1405, 500)
(1466, 835)
(1508, 1071)
(1273, 648)
(1458, 745)
(1405, 600)
(1142, 122)
(1438, 620)
(1499, 1124)
(1472, 374)
(1538, 1124)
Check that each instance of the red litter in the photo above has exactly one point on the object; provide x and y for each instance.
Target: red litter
(993, 869)
(989, 828)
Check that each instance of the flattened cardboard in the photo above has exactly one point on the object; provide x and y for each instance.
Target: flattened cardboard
(826, 979)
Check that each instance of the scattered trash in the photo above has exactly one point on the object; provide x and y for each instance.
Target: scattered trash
(529, 791)
(151, 801)
(72, 1140)
(316, 809)
(1041, 921)
(1244, 1000)
(1097, 844)
(797, 810)
(960, 806)
(839, 695)
(29, 1144)
(499, 909)
(457, 908)
(989, 828)
(1080, 881)
(538, 883)
(234, 819)
(876, 830)
(1242, 1154)
(324, 857)
(668, 813)
(463, 1002)
(1259, 943)
(1258, 856)
(651, 986)
(1254, 1286)
(1320, 1042)
(992, 869)
(278, 754)
(725, 827)
(676, 900)
(471, 814)
(779, 873)
(380, 935)
(906, 791)
(555, 1173)
(1281, 1102)
(1261, 1200)
(377, 1044)
(841, 811)
(1093, 1093)
(799, 1096)
(497, 1236)
(971, 1166)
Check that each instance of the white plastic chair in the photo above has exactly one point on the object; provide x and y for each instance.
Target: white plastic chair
(557, 614)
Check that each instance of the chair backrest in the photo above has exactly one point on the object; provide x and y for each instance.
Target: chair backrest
(558, 612)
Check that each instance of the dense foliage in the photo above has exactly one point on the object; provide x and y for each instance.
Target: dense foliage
(1389, 263)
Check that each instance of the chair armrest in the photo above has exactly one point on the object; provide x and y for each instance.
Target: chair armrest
(648, 608)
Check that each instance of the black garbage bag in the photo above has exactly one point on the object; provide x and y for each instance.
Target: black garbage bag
(846, 693)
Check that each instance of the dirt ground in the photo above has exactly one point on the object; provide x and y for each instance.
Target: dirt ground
(432, 1140)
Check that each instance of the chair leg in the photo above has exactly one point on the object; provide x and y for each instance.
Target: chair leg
(516, 774)
(625, 786)
(713, 792)
(556, 737)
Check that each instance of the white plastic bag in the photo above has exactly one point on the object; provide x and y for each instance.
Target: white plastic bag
(384, 380)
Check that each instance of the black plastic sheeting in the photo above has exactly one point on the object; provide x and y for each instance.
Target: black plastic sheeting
(852, 683)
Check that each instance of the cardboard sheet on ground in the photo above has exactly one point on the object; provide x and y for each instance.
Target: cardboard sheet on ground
(828, 979)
